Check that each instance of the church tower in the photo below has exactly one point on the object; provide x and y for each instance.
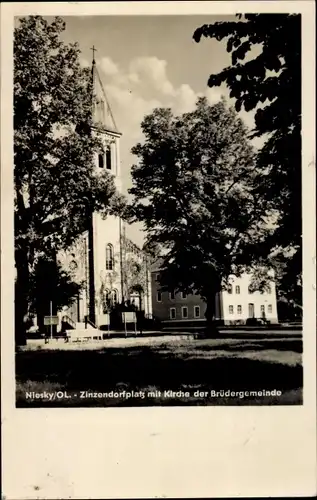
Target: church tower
(104, 235)
(103, 258)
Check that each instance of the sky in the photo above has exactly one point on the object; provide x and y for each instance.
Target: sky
(147, 62)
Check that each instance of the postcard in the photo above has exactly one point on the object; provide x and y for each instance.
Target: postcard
(158, 249)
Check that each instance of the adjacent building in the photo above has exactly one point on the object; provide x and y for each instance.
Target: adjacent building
(232, 307)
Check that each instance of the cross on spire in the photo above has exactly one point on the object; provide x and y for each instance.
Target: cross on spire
(93, 54)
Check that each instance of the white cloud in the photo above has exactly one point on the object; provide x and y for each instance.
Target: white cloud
(185, 99)
(130, 107)
(152, 71)
(108, 66)
(134, 78)
(214, 94)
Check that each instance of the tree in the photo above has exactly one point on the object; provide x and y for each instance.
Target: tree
(51, 282)
(193, 189)
(269, 80)
(56, 187)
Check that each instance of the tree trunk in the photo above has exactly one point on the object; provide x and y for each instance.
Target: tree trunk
(21, 296)
(211, 330)
(141, 315)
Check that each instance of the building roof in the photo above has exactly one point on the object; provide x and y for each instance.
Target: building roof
(157, 265)
(102, 112)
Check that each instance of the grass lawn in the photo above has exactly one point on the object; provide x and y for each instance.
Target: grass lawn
(163, 372)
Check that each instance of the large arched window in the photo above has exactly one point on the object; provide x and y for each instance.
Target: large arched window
(109, 257)
(108, 157)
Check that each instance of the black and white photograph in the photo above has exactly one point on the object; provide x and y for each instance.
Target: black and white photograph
(158, 210)
(158, 249)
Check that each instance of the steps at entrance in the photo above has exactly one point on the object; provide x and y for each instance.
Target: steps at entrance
(82, 326)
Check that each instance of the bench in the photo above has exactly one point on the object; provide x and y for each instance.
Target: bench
(83, 335)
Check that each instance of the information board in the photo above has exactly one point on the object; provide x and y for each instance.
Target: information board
(129, 317)
(104, 319)
(50, 320)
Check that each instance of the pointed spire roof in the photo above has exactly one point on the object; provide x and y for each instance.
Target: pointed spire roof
(102, 113)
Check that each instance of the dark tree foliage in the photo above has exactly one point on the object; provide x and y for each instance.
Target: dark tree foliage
(269, 81)
(48, 282)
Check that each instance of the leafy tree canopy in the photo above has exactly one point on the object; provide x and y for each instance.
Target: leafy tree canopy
(194, 191)
(53, 148)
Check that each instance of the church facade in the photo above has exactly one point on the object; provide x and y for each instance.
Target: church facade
(110, 266)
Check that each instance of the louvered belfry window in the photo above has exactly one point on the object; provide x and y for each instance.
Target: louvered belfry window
(108, 158)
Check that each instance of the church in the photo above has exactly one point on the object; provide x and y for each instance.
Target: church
(112, 268)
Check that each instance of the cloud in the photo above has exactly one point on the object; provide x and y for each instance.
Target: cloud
(184, 99)
(108, 67)
(214, 94)
(129, 108)
(151, 71)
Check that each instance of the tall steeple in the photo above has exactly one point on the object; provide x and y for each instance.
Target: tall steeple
(102, 113)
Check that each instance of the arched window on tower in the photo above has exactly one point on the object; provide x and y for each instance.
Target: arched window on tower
(101, 160)
(108, 157)
(109, 257)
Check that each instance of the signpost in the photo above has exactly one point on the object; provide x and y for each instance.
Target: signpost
(104, 319)
(129, 317)
(51, 320)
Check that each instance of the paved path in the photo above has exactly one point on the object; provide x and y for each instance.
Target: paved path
(155, 338)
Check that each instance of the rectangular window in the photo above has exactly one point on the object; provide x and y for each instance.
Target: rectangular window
(239, 309)
(269, 289)
(270, 308)
(262, 309)
(184, 312)
(197, 311)
(172, 295)
(230, 309)
(172, 313)
(230, 289)
(237, 290)
(159, 297)
(184, 295)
